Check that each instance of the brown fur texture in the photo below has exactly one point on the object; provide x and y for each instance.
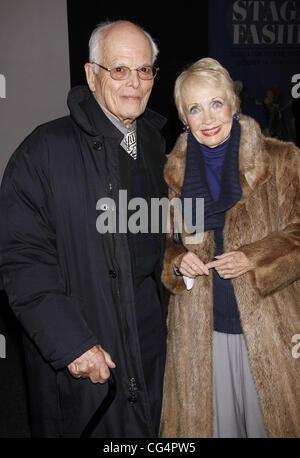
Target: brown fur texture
(265, 225)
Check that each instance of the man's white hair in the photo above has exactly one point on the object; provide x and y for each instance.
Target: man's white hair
(96, 37)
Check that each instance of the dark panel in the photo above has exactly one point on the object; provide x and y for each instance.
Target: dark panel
(13, 392)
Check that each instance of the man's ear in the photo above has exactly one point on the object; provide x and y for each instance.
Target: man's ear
(90, 75)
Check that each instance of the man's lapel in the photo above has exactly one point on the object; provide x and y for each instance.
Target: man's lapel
(149, 144)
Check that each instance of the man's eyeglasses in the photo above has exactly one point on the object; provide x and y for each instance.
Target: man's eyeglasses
(146, 72)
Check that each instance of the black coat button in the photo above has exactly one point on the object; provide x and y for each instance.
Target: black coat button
(113, 273)
(97, 145)
(132, 398)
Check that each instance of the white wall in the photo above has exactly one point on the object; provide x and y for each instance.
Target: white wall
(34, 62)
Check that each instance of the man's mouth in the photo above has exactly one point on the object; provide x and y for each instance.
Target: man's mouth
(211, 132)
(133, 98)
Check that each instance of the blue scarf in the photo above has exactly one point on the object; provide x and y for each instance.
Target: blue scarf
(196, 184)
(213, 159)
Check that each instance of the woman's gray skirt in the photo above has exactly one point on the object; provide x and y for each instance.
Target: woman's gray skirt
(236, 406)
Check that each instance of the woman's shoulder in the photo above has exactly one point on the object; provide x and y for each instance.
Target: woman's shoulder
(175, 166)
(179, 149)
(284, 153)
(275, 148)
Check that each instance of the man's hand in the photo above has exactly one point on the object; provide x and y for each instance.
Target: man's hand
(93, 364)
(231, 265)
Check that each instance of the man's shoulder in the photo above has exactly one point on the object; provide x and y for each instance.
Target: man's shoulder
(154, 119)
(56, 127)
(59, 126)
(34, 149)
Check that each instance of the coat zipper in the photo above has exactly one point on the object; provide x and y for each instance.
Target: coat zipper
(132, 385)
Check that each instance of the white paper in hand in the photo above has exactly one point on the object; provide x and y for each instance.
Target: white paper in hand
(189, 282)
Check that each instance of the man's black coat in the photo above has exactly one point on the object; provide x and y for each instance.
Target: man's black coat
(70, 286)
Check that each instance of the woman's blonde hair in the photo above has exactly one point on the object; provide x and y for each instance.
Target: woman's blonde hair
(206, 71)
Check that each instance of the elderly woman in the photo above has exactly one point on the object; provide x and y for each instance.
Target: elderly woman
(231, 370)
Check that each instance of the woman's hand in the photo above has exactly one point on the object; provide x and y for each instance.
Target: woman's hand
(190, 265)
(231, 265)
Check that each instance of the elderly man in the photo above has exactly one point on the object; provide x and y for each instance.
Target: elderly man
(90, 301)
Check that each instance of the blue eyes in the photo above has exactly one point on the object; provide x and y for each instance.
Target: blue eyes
(215, 105)
(194, 110)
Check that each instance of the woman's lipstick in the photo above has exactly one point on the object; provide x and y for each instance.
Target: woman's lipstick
(211, 132)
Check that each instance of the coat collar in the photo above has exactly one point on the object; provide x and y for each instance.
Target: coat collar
(151, 144)
(254, 161)
(88, 115)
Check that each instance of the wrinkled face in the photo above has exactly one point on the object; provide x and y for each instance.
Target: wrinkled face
(126, 99)
(208, 112)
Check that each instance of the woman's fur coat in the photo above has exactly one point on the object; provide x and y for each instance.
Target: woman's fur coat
(265, 225)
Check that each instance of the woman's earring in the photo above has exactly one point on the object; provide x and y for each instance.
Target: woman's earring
(235, 117)
(186, 129)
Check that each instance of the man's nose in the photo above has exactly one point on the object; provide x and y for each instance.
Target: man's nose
(134, 79)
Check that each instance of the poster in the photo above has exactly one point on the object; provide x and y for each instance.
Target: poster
(259, 44)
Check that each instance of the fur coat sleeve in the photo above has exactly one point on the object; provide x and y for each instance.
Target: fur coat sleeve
(277, 257)
(173, 253)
